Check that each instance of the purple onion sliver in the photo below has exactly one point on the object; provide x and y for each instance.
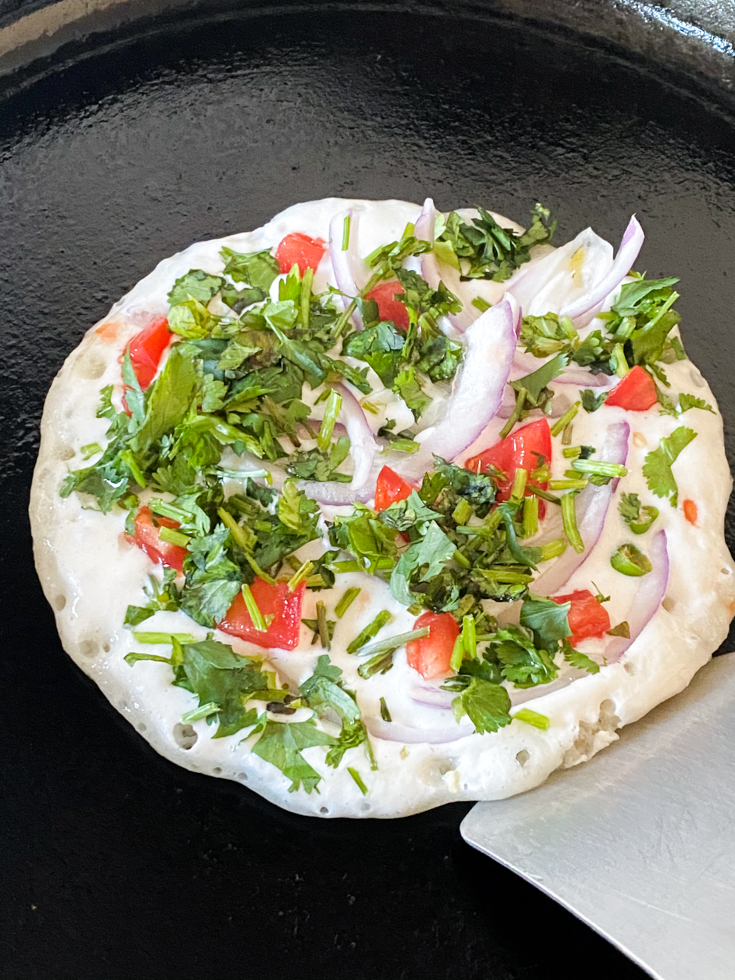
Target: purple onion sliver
(363, 446)
(593, 299)
(647, 600)
(392, 731)
(424, 227)
(592, 506)
(336, 494)
(477, 393)
(345, 263)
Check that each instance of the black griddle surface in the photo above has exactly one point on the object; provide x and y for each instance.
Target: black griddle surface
(115, 863)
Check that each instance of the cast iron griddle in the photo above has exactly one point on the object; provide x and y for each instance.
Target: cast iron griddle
(118, 865)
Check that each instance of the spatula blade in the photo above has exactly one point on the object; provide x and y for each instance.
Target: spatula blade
(639, 843)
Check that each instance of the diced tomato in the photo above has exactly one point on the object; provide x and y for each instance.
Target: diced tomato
(690, 511)
(431, 655)
(522, 449)
(388, 307)
(146, 350)
(298, 249)
(272, 600)
(146, 536)
(390, 488)
(587, 616)
(635, 393)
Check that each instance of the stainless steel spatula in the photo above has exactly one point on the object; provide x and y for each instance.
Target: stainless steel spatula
(639, 843)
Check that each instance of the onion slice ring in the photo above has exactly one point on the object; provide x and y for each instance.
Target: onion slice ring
(347, 266)
(647, 599)
(392, 731)
(585, 308)
(477, 392)
(592, 506)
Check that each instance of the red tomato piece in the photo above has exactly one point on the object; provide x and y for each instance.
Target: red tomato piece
(431, 655)
(587, 616)
(635, 393)
(390, 308)
(521, 449)
(390, 488)
(146, 350)
(690, 511)
(272, 600)
(146, 536)
(298, 249)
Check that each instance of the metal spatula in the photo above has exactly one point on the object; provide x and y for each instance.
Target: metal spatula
(639, 843)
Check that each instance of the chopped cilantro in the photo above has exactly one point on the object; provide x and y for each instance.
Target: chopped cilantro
(657, 465)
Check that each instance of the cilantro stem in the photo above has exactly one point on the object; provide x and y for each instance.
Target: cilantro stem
(251, 605)
(566, 437)
(562, 422)
(345, 602)
(543, 494)
(530, 516)
(371, 630)
(480, 304)
(172, 536)
(133, 658)
(242, 536)
(163, 637)
(392, 643)
(384, 713)
(346, 232)
(570, 484)
(532, 718)
(515, 414)
(599, 468)
(569, 519)
(377, 665)
(258, 570)
(301, 573)
(519, 484)
(469, 636)
(353, 772)
(369, 407)
(331, 414)
(322, 625)
(306, 284)
(618, 362)
(552, 549)
(506, 576)
(571, 452)
(129, 460)
(457, 654)
(203, 711)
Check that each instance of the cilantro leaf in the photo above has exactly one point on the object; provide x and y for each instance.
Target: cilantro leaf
(486, 704)
(212, 578)
(409, 388)
(381, 346)
(216, 674)
(590, 401)
(534, 383)
(487, 251)
(657, 464)
(579, 660)
(295, 510)
(521, 662)
(691, 401)
(196, 284)
(548, 620)
(281, 744)
(255, 268)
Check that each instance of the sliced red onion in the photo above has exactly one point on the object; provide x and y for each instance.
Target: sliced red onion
(592, 506)
(335, 494)
(647, 600)
(477, 392)
(429, 694)
(547, 282)
(348, 268)
(392, 731)
(519, 695)
(585, 308)
(363, 446)
(363, 449)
